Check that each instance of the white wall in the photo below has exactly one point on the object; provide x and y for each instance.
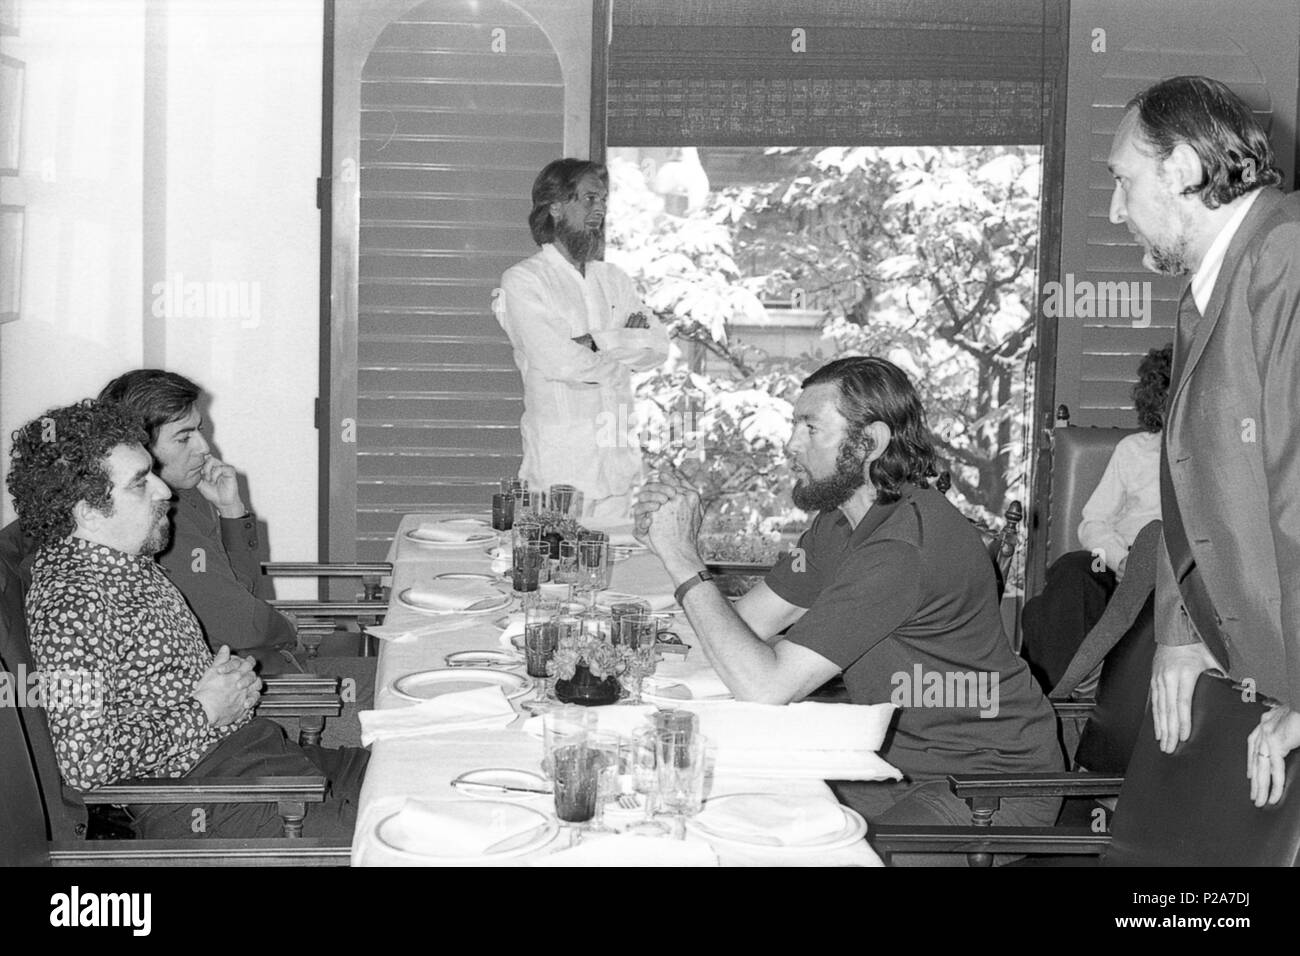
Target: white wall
(241, 106)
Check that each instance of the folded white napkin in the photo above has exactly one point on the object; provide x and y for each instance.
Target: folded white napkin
(454, 828)
(621, 719)
(450, 531)
(696, 675)
(479, 709)
(451, 595)
(809, 740)
(630, 849)
(774, 819)
(513, 629)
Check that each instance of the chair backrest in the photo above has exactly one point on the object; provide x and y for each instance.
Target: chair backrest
(1079, 458)
(23, 831)
(1192, 807)
(67, 810)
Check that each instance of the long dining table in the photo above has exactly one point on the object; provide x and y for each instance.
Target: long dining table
(423, 767)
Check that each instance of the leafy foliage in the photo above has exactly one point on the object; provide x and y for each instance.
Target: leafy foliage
(923, 255)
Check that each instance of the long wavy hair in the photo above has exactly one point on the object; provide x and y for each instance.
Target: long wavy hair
(1203, 113)
(1151, 390)
(876, 390)
(558, 182)
(61, 458)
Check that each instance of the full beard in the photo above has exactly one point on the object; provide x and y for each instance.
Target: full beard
(826, 494)
(584, 245)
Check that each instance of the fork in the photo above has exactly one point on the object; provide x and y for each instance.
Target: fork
(629, 801)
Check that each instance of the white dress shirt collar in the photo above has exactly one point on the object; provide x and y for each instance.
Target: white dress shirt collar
(1208, 272)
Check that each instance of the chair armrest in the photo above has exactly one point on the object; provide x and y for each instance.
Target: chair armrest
(220, 852)
(906, 838)
(307, 569)
(299, 684)
(167, 790)
(981, 786)
(331, 608)
(1074, 709)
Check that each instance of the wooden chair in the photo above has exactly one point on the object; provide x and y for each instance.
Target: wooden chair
(27, 821)
(316, 620)
(1188, 808)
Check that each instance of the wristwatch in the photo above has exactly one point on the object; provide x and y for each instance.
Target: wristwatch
(698, 578)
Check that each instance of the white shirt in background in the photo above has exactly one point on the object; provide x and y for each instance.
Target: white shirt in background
(1126, 499)
(579, 425)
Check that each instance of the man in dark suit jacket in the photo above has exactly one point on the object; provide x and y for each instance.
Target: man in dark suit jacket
(1193, 174)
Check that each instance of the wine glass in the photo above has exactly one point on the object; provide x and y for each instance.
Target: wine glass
(605, 746)
(566, 572)
(645, 781)
(637, 632)
(593, 556)
(541, 636)
(680, 764)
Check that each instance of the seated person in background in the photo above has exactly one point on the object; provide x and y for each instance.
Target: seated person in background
(212, 557)
(890, 584)
(151, 700)
(1126, 500)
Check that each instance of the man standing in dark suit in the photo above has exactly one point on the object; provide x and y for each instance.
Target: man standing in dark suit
(1193, 175)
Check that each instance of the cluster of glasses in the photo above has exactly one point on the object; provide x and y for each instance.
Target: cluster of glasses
(584, 564)
(515, 500)
(629, 625)
(663, 766)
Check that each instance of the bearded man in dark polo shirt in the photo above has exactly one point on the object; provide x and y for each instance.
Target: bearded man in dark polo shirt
(891, 586)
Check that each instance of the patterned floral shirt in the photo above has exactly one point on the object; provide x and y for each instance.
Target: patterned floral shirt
(128, 652)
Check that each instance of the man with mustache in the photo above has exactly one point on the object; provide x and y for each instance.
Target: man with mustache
(579, 330)
(1194, 175)
(890, 577)
(156, 701)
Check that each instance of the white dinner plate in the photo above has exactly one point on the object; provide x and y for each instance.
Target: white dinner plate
(854, 829)
(502, 783)
(487, 657)
(426, 685)
(389, 833)
(489, 604)
(478, 538)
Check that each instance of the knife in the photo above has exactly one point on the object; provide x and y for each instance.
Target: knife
(498, 787)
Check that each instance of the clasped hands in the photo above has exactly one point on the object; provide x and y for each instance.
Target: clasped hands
(1173, 679)
(229, 688)
(668, 516)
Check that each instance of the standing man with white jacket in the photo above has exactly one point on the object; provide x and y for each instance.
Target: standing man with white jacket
(579, 330)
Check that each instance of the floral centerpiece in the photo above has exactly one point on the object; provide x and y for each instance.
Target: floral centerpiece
(590, 670)
(553, 526)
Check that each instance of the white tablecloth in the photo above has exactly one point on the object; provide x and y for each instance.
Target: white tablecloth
(424, 767)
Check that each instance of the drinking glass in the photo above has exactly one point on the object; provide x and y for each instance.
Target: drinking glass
(576, 769)
(541, 635)
(593, 561)
(561, 498)
(503, 512)
(523, 559)
(645, 781)
(564, 725)
(606, 748)
(680, 764)
(637, 632)
(566, 572)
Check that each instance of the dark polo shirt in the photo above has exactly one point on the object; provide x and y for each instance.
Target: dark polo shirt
(905, 604)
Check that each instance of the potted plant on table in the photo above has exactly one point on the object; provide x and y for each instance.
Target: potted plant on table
(589, 670)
